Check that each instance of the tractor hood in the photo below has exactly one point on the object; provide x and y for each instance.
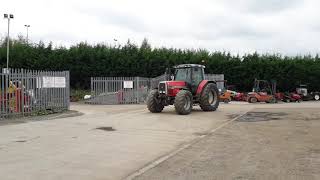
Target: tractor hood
(171, 88)
(176, 84)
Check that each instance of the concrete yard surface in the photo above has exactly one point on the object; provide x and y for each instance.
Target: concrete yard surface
(116, 141)
(73, 147)
(271, 143)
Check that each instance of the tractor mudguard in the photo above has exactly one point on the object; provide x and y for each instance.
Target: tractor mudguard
(202, 85)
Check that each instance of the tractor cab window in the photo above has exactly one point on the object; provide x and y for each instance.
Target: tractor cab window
(183, 74)
(197, 76)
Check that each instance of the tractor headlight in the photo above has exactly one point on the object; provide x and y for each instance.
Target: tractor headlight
(162, 88)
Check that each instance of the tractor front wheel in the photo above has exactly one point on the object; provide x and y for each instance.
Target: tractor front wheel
(153, 102)
(183, 102)
(209, 100)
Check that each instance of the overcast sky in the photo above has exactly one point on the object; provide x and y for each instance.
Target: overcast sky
(269, 26)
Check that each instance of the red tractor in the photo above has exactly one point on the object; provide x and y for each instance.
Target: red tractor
(186, 89)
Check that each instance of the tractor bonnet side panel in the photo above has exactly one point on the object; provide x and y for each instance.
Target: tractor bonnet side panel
(201, 86)
(174, 87)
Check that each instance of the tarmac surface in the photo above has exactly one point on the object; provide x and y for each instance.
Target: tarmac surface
(264, 144)
(238, 141)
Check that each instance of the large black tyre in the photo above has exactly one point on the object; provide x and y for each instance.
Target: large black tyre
(209, 100)
(183, 102)
(316, 96)
(153, 103)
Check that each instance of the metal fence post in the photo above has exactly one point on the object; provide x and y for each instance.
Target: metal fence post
(137, 90)
(68, 89)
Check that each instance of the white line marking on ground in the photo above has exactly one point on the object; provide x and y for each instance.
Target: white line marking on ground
(171, 154)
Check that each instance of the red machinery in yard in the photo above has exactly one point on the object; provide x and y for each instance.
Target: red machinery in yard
(288, 97)
(187, 88)
(240, 97)
(262, 92)
(14, 99)
(225, 94)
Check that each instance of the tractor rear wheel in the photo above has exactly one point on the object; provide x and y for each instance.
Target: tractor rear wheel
(209, 100)
(183, 102)
(153, 102)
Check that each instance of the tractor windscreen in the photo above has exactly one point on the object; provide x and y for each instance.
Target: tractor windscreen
(182, 74)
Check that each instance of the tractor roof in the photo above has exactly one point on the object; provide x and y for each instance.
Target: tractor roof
(189, 66)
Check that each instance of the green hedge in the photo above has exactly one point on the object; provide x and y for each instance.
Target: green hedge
(84, 60)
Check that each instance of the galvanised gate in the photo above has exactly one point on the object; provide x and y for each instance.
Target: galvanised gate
(27, 92)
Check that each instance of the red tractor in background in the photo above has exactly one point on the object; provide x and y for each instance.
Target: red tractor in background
(187, 88)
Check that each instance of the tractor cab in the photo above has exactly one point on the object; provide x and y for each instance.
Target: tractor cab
(192, 74)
